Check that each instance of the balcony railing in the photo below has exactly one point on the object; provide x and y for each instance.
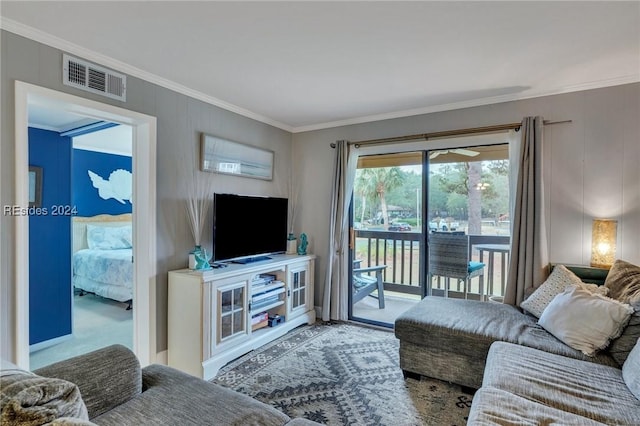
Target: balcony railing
(401, 252)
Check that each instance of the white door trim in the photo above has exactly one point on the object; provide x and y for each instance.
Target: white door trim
(144, 212)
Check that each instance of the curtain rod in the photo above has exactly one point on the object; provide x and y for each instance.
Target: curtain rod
(458, 132)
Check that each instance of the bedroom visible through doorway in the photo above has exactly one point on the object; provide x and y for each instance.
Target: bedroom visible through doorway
(82, 300)
(143, 216)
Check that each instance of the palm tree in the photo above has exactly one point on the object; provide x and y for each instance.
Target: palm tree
(379, 181)
(363, 189)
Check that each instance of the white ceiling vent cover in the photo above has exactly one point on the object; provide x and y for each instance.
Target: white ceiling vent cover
(93, 78)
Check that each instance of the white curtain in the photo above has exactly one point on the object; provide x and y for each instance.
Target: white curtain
(529, 257)
(335, 304)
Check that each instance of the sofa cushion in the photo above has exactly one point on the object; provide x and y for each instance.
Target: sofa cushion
(93, 373)
(469, 327)
(623, 281)
(631, 370)
(589, 390)
(70, 421)
(555, 284)
(29, 399)
(620, 347)
(171, 397)
(493, 406)
(585, 321)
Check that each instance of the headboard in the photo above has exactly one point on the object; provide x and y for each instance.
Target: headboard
(80, 226)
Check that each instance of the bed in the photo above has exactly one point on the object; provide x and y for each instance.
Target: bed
(102, 261)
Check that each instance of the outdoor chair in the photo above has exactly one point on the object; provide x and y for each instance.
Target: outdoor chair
(449, 258)
(364, 283)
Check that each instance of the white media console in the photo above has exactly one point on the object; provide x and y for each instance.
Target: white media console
(220, 314)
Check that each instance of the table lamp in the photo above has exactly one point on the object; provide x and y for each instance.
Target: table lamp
(603, 243)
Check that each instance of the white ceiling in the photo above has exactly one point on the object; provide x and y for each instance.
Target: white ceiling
(308, 65)
(56, 120)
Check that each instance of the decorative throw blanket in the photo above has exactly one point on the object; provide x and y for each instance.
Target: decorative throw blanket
(28, 399)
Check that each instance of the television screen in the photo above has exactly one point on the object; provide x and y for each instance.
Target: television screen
(248, 226)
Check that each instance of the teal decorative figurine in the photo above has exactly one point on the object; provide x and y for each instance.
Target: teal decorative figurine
(302, 248)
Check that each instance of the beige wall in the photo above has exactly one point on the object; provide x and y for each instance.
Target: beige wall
(591, 166)
(180, 121)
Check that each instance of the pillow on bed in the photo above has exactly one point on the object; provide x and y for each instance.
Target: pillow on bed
(109, 237)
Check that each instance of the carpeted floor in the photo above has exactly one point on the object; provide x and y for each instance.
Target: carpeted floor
(98, 322)
(343, 374)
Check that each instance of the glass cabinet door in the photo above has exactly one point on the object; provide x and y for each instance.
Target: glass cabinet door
(298, 286)
(232, 302)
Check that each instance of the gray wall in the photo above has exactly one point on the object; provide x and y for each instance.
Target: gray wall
(591, 168)
(180, 121)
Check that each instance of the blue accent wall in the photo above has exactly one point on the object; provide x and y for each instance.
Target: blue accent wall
(50, 292)
(85, 196)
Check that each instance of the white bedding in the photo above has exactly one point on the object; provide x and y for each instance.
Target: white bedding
(107, 273)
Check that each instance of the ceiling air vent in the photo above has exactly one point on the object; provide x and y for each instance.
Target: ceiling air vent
(93, 78)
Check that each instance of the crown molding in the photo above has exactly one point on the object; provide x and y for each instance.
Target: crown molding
(64, 45)
(108, 62)
(628, 79)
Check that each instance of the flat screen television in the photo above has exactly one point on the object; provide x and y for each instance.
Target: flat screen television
(248, 228)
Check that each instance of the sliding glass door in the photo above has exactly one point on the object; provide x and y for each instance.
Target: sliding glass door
(468, 237)
(402, 200)
(388, 236)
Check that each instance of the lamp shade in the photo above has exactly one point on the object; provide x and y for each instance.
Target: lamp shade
(603, 243)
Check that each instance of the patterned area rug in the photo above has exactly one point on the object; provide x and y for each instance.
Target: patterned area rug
(343, 374)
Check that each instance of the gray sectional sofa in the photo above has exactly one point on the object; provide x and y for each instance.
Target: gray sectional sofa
(449, 339)
(116, 391)
(524, 374)
(525, 386)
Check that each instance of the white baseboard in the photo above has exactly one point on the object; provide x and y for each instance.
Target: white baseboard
(50, 342)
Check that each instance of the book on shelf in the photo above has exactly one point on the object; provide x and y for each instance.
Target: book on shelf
(260, 317)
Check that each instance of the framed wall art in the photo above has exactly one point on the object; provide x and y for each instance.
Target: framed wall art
(35, 186)
(234, 158)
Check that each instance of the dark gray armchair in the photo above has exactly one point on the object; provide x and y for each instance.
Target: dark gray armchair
(449, 258)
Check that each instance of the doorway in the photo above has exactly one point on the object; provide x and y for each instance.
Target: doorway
(81, 269)
(458, 186)
(143, 216)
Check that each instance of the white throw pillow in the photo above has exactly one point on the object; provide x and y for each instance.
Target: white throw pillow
(595, 288)
(555, 284)
(585, 321)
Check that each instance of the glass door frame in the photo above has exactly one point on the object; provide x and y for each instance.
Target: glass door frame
(422, 263)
